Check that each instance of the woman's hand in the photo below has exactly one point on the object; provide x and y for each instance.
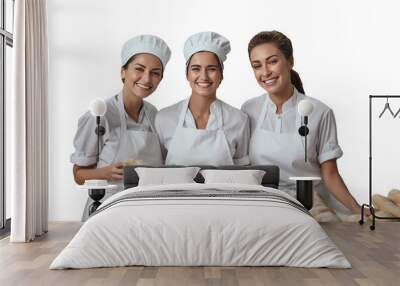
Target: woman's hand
(357, 210)
(334, 182)
(113, 172)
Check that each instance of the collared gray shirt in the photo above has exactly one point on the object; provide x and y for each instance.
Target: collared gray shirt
(235, 127)
(321, 120)
(85, 140)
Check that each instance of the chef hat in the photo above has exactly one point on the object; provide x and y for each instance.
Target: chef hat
(148, 44)
(209, 42)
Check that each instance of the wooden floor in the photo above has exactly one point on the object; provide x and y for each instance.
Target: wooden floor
(374, 255)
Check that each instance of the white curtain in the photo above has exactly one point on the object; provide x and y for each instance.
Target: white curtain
(28, 116)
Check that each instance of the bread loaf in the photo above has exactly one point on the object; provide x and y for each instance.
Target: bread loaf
(394, 195)
(385, 204)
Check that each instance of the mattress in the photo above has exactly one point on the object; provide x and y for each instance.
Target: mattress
(201, 225)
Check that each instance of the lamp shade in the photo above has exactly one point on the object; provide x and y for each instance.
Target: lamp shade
(305, 107)
(98, 107)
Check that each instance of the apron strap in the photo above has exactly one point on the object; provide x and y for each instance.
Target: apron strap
(122, 114)
(153, 129)
(182, 115)
(263, 113)
(219, 114)
(121, 109)
(298, 117)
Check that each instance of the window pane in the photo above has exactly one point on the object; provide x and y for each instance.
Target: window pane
(10, 15)
(8, 97)
(1, 14)
(2, 201)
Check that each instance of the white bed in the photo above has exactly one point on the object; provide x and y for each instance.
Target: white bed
(224, 225)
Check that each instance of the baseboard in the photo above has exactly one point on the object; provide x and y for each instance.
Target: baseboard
(5, 231)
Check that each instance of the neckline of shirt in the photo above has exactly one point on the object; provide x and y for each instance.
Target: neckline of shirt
(213, 105)
(189, 117)
(287, 106)
(127, 117)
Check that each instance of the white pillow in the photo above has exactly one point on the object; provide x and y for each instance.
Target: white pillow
(163, 176)
(248, 177)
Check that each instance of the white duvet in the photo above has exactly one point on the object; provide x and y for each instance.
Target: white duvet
(186, 230)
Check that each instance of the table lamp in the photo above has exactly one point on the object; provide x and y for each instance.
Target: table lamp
(304, 185)
(305, 108)
(97, 108)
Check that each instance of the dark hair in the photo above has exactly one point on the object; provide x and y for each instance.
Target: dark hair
(219, 64)
(284, 45)
(125, 66)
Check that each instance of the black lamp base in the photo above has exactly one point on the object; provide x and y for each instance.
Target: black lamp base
(304, 193)
(96, 195)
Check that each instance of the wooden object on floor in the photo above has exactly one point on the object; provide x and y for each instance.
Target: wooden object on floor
(374, 255)
(394, 195)
(385, 204)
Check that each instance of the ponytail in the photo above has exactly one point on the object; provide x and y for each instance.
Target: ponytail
(296, 81)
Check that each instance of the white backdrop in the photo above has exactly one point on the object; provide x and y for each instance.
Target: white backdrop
(344, 51)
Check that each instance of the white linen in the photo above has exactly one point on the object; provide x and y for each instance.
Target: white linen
(200, 231)
(247, 177)
(160, 176)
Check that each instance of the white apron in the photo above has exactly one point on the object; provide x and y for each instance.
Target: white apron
(127, 144)
(191, 146)
(285, 150)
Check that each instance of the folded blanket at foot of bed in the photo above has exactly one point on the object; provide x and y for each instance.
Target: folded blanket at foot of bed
(198, 224)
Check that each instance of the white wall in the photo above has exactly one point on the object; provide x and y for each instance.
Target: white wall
(344, 51)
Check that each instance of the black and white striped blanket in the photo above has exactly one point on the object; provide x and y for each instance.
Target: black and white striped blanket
(204, 194)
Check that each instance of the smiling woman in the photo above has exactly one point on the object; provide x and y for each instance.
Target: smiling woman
(203, 130)
(204, 74)
(141, 76)
(275, 122)
(129, 120)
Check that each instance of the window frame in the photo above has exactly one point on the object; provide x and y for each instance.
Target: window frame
(6, 39)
